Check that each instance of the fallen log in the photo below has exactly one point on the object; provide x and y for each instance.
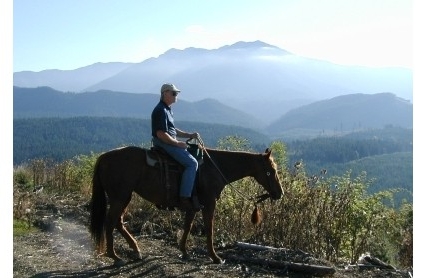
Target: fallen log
(316, 270)
(255, 247)
(367, 259)
(250, 246)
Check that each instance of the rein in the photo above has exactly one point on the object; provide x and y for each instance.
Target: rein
(260, 198)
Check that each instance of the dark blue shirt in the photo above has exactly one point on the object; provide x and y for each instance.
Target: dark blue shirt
(162, 119)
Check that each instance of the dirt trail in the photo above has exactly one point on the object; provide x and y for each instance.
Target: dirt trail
(66, 250)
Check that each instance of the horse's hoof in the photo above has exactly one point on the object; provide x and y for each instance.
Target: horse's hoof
(218, 261)
(136, 256)
(185, 257)
(119, 263)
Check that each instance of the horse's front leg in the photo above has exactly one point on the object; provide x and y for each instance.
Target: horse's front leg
(208, 215)
(188, 222)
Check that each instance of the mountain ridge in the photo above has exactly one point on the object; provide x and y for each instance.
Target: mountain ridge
(47, 102)
(347, 113)
(343, 113)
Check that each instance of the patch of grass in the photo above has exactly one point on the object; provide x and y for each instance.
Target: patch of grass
(22, 227)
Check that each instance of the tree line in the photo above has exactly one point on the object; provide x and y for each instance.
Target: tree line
(62, 138)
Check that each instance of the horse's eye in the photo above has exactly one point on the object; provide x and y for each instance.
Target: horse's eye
(268, 173)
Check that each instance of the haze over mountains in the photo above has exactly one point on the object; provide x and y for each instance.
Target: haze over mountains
(342, 114)
(255, 77)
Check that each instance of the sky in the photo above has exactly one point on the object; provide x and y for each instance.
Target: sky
(69, 34)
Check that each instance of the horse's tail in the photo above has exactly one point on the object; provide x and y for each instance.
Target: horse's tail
(97, 209)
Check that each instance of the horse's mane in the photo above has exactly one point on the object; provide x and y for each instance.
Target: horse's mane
(230, 151)
(241, 152)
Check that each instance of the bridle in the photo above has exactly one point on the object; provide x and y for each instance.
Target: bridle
(265, 196)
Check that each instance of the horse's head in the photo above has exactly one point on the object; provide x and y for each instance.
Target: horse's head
(268, 177)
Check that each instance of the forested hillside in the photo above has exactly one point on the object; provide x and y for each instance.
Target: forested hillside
(353, 146)
(385, 155)
(63, 138)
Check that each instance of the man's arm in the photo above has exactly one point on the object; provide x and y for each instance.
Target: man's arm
(166, 138)
(184, 134)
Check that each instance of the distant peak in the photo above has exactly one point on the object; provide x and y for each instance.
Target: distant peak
(253, 46)
(189, 50)
(245, 45)
(241, 45)
(172, 51)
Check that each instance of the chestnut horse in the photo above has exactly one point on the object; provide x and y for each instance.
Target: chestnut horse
(120, 172)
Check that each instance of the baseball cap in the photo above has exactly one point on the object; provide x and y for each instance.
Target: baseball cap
(169, 87)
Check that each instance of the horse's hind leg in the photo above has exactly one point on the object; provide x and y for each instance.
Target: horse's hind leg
(128, 237)
(116, 209)
(188, 222)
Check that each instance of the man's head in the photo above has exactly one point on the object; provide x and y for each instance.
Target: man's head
(169, 87)
(169, 93)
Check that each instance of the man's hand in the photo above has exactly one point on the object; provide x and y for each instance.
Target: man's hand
(194, 136)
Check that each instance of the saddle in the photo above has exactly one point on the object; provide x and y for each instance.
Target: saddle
(157, 157)
(170, 172)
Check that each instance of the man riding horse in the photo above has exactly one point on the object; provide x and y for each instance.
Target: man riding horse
(164, 136)
(120, 172)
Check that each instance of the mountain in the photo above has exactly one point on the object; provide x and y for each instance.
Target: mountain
(69, 80)
(347, 113)
(47, 102)
(249, 76)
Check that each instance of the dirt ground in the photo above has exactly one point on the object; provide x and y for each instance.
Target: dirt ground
(63, 248)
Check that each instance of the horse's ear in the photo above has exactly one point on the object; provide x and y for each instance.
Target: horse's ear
(268, 151)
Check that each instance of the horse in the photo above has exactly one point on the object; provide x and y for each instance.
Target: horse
(120, 172)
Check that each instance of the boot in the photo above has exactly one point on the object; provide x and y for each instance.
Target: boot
(185, 204)
(196, 205)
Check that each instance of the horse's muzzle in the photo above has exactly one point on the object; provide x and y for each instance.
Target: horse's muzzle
(276, 197)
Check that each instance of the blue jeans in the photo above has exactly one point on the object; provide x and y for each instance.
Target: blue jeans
(189, 163)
